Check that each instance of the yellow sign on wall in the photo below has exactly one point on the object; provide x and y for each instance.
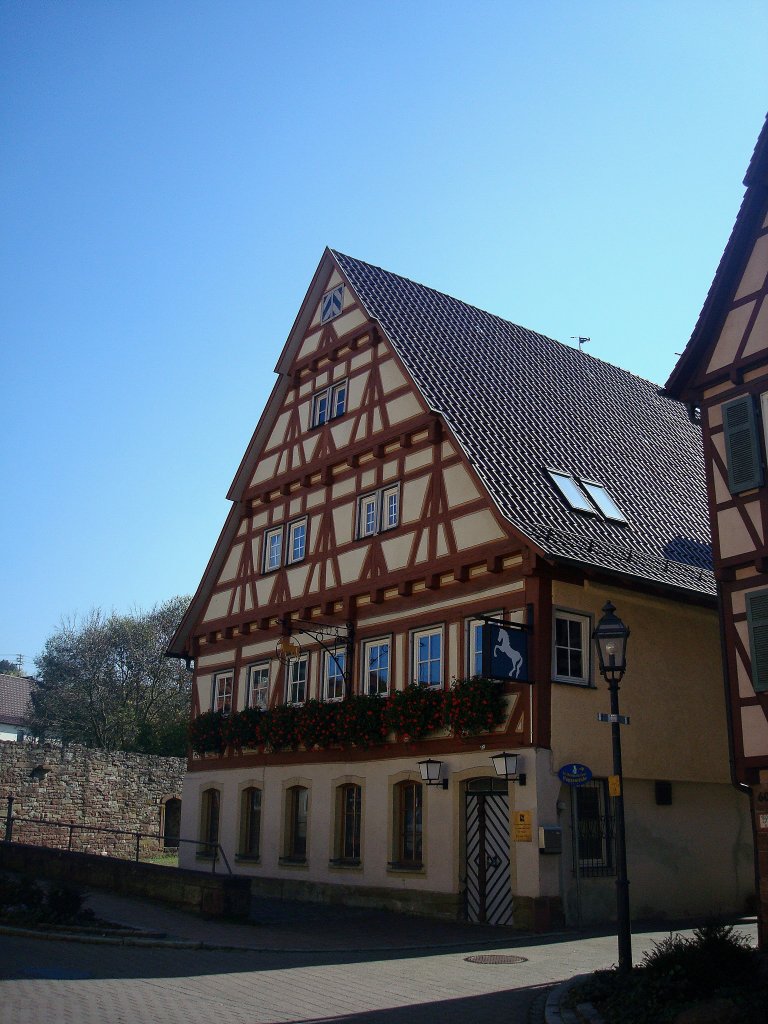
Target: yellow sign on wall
(522, 826)
(614, 785)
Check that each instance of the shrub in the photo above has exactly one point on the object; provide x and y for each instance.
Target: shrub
(63, 903)
(280, 727)
(678, 972)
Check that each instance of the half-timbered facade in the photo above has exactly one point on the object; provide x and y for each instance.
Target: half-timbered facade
(423, 467)
(723, 376)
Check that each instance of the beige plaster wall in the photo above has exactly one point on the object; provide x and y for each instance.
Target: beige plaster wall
(672, 691)
(690, 859)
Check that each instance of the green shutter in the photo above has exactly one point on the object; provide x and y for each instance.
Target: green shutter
(742, 445)
(757, 620)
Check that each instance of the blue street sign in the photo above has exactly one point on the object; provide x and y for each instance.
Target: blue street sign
(574, 774)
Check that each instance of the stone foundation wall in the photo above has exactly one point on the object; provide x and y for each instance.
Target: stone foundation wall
(90, 789)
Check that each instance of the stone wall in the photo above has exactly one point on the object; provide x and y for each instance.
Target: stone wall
(89, 789)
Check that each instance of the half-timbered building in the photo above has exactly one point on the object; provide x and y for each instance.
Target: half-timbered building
(423, 473)
(723, 377)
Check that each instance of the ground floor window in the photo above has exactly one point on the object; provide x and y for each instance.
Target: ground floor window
(250, 822)
(209, 822)
(297, 807)
(408, 824)
(594, 826)
(348, 815)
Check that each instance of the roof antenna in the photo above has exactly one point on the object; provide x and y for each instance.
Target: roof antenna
(582, 341)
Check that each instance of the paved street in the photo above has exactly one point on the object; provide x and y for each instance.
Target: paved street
(64, 982)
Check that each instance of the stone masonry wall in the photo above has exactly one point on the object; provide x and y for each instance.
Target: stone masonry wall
(91, 789)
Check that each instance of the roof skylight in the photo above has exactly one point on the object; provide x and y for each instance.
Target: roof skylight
(574, 493)
(603, 500)
(570, 490)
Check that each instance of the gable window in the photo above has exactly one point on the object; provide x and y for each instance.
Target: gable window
(427, 655)
(297, 815)
(332, 304)
(757, 624)
(297, 541)
(258, 685)
(329, 403)
(376, 667)
(273, 545)
(349, 802)
(209, 823)
(595, 827)
(250, 823)
(222, 692)
(408, 824)
(742, 444)
(570, 647)
(378, 511)
(333, 676)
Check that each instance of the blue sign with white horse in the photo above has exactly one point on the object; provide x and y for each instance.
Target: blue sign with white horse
(505, 652)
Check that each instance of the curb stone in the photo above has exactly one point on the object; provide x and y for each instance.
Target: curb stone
(556, 1013)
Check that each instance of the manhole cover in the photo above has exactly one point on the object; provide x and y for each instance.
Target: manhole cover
(496, 958)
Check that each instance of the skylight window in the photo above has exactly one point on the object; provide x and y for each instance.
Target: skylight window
(603, 500)
(570, 490)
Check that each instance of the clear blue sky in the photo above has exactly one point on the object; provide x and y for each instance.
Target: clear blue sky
(171, 172)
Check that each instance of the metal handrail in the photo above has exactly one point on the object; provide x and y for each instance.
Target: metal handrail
(11, 818)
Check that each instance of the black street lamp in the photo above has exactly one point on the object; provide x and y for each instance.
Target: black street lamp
(610, 638)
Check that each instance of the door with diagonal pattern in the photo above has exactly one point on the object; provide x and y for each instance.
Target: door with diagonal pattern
(488, 883)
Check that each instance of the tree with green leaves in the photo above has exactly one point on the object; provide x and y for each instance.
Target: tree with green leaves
(9, 668)
(104, 681)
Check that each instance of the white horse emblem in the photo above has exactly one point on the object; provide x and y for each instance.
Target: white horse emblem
(503, 645)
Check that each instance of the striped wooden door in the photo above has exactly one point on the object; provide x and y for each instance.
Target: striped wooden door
(489, 888)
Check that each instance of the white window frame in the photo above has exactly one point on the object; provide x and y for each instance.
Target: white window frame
(222, 691)
(329, 403)
(585, 622)
(267, 563)
(334, 670)
(374, 511)
(258, 674)
(367, 673)
(295, 686)
(416, 663)
(472, 652)
(293, 527)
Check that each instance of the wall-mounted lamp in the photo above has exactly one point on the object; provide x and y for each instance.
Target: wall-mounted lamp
(431, 773)
(508, 767)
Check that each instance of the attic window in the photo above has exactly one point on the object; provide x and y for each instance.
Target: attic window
(603, 500)
(578, 495)
(570, 490)
(332, 304)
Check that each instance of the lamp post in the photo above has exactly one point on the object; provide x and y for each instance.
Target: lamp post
(610, 637)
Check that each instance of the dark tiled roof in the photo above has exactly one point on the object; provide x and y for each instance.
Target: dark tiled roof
(519, 402)
(14, 698)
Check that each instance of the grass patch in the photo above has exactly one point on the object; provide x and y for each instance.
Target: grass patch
(678, 973)
(168, 860)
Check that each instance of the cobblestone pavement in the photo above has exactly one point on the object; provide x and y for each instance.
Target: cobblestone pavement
(50, 981)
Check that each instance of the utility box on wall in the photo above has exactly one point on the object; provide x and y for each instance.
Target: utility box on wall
(550, 839)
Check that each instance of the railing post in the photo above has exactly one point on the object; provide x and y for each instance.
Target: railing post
(138, 841)
(9, 820)
(69, 844)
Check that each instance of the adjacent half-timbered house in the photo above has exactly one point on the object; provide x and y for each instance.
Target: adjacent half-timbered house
(723, 377)
(431, 493)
